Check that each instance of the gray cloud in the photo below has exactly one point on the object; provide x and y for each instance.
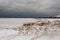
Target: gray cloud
(36, 7)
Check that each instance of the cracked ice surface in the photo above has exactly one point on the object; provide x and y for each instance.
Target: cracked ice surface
(29, 29)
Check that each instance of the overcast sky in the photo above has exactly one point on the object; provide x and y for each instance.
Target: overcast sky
(29, 8)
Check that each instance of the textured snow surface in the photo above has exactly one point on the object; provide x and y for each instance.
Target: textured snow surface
(29, 29)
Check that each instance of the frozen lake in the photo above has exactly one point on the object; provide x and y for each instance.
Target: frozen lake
(15, 21)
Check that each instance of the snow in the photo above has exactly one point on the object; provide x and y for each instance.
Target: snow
(13, 29)
(13, 22)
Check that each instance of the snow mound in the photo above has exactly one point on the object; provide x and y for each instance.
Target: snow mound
(42, 29)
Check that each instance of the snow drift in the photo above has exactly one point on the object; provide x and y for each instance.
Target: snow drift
(35, 29)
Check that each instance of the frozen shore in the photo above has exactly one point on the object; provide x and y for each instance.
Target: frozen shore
(29, 29)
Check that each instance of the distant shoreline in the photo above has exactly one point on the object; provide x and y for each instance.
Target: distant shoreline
(48, 17)
(36, 17)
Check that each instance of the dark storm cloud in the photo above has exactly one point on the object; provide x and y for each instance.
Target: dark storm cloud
(29, 8)
(26, 14)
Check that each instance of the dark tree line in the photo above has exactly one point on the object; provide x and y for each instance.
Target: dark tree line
(48, 17)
